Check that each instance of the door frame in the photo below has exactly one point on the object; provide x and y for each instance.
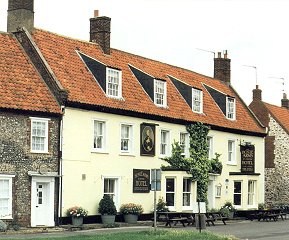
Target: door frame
(51, 199)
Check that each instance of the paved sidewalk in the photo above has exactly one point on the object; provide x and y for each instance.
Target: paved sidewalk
(242, 229)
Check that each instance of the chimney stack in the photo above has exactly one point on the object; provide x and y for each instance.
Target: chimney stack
(285, 101)
(257, 94)
(100, 31)
(222, 67)
(20, 14)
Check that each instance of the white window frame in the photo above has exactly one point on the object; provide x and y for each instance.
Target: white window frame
(39, 120)
(236, 193)
(187, 192)
(166, 144)
(184, 145)
(129, 138)
(197, 100)
(231, 152)
(8, 178)
(109, 91)
(210, 142)
(171, 208)
(104, 136)
(157, 84)
(231, 108)
(252, 194)
(116, 192)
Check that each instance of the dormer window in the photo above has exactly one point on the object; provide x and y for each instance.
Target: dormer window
(197, 100)
(231, 108)
(113, 83)
(160, 93)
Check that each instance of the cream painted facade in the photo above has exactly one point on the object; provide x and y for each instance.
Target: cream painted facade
(84, 169)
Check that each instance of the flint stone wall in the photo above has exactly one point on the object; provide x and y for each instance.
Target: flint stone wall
(16, 158)
(277, 178)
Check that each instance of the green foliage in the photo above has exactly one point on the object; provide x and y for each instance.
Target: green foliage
(228, 205)
(198, 163)
(161, 205)
(261, 206)
(216, 165)
(106, 206)
(3, 226)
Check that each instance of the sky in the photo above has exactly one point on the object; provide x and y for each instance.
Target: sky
(185, 33)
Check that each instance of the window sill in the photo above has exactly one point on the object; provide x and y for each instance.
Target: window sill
(40, 152)
(127, 154)
(232, 163)
(99, 151)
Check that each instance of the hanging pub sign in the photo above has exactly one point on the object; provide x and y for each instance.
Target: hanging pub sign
(247, 158)
(141, 181)
(147, 139)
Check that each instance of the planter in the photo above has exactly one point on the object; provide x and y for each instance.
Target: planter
(77, 221)
(108, 219)
(231, 216)
(130, 218)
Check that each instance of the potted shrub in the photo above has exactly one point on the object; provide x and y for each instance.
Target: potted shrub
(131, 211)
(77, 214)
(162, 205)
(107, 210)
(228, 210)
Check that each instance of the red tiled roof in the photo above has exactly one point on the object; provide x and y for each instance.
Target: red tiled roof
(280, 114)
(20, 85)
(61, 54)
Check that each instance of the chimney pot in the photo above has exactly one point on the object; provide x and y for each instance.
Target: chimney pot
(95, 13)
(285, 101)
(219, 54)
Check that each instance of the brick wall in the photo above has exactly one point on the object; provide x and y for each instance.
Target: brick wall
(16, 158)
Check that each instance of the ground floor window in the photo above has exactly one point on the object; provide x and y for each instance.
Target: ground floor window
(5, 197)
(251, 192)
(110, 188)
(187, 183)
(238, 193)
(170, 192)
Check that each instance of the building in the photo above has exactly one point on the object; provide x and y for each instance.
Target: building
(29, 150)
(123, 112)
(275, 118)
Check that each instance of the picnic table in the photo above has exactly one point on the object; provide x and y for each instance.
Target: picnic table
(174, 218)
(268, 215)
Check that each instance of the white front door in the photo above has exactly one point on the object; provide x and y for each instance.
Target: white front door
(42, 204)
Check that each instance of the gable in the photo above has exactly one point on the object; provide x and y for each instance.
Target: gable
(145, 80)
(218, 97)
(97, 69)
(184, 89)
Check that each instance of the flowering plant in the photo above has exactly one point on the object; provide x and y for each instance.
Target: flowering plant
(76, 212)
(131, 208)
(229, 206)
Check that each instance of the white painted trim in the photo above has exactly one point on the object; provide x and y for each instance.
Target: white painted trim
(46, 121)
(119, 85)
(9, 178)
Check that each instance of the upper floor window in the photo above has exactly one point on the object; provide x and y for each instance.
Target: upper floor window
(126, 138)
(5, 196)
(99, 135)
(184, 144)
(160, 93)
(231, 108)
(210, 147)
(39, 135)
(231, 152)
(113, 83)
(165, 142)
(197, 98)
